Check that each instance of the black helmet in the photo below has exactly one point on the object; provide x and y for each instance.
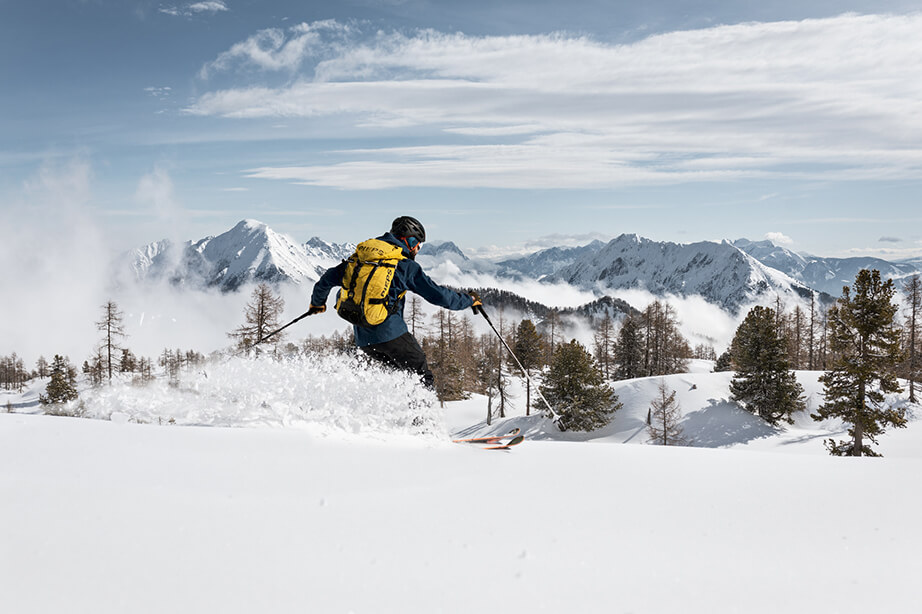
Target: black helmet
(406, 226)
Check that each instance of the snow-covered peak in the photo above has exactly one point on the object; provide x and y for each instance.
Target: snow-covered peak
(822, 274)
(719, 272)
(249, 252)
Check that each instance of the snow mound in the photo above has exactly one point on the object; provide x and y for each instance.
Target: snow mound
(325, 394)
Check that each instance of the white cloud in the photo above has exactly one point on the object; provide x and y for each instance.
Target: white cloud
(828, 98)
(210, 6)
(275, 49)
(779, 238)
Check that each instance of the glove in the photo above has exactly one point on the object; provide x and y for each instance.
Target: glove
(316, 309)
(477, 307)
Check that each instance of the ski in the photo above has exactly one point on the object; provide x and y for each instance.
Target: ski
(505, 446)
(491, 439)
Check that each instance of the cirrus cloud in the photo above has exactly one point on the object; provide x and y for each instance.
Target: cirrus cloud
(832, 99)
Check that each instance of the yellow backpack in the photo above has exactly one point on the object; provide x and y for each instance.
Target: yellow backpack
(367, 281)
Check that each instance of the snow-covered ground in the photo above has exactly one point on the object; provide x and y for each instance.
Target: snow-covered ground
(342, 496)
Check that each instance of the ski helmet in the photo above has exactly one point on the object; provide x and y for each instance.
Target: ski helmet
(406, 227)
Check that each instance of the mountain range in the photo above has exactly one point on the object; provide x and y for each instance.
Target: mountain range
(728, 274)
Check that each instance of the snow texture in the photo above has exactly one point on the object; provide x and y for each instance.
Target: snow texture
(332, 501)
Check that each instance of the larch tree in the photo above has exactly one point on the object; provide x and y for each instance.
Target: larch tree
(865, 344)
(113, 329)
(604, 343)
(262, 316)
(665, 415)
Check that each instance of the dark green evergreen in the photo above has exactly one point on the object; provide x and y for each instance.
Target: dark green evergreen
(865, 343)
(629, 350)
(724, 362)
(529, 349)
(63, 384)
(764, 383)
(576, 389)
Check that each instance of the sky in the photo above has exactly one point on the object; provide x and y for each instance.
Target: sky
(499, 124)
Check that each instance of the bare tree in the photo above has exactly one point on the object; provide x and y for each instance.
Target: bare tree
(262, 317)
(663, 418)
(112, 327)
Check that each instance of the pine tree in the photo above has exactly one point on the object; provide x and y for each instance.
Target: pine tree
(629, 350)
(912, 290)
(262, 315)
(575, 387)
(724, 363)
(764, 383)
(128, 363)
(63, 384)
(530, 351)
(663, 418)
(865, 343)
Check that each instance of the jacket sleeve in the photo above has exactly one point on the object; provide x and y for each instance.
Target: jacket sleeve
(422, 284)
(329, 280)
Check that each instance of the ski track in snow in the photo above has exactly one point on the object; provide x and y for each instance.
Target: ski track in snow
(340, 497)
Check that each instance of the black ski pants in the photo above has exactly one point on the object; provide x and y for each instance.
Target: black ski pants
(405, 353)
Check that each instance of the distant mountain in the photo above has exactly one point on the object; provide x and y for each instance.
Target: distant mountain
(440, 250)
(823, 274)
(729, 275)
(249, 252)
(323, 255)
(548, 261)
(719, 272)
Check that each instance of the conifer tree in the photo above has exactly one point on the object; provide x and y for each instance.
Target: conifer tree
(530, 351)
(664, 417)
(41, 367)
(128, 363)
(604, 342)
(724, 362)
(629, 350)
(63, 384)
(415, 317)
(113, 329)
(912, 291)
(261, 315)
(764, 383)
(445, 364)
(575, 387)
(865, 343)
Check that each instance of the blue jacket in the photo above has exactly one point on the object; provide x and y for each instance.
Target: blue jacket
(408, 276)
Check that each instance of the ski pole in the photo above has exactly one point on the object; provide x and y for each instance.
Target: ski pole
(557, 418)
(275, 332)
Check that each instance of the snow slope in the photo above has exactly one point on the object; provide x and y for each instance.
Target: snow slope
(340, 502)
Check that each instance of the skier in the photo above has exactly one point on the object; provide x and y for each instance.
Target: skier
(373, 283)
